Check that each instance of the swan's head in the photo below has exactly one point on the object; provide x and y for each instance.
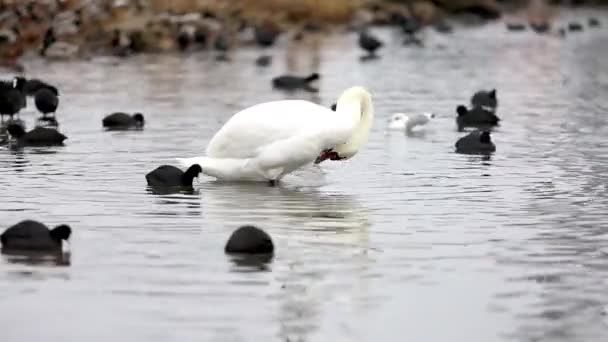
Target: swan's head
(356, 104)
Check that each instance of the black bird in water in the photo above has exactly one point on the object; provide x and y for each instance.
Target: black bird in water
(249, 240)
(34, 236)
(486, 99)
(122, 121)
(49, 39)
(475, 142)
(171, 176)
(593, 22)
(443, 27)
(12, 98)
(39, 136)
(183, 40)
(263, 61)
(369, 43)
(410, 25)
(290, 82)
(574, 26)
(516, 27)
(32, 86)
(540, 27)
(46, 101)
(266, 34)
(475, 117)
(222, 45)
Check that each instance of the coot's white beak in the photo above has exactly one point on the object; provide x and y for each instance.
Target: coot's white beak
(65, 246)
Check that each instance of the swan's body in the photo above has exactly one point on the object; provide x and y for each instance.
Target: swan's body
(269, 140)
(405, 122)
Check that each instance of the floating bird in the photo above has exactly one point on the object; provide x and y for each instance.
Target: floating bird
(222, 45)
(413, 40)
(407, 123)
(540, 27)
(593, 22)
(443, 27)
(475, 142)
(269, 140)
(516, 27)
(486, 99)
(46, 101)
(290, 82)
(170, 176)
(249, 240)
(263, 61)
(573, 26)
(33, 85)
(266, 34)
(475, 117)
(12, 98)
(33, 236)
(410, 25)
(369, 43)
(122, 121)
(39, 136)
(183, 40)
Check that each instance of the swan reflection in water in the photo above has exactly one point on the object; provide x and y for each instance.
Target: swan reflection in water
(317, 233)
(298, 212)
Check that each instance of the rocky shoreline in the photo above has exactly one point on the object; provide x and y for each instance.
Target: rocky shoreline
(67, 29)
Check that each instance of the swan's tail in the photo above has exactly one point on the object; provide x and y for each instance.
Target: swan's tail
(224, 168)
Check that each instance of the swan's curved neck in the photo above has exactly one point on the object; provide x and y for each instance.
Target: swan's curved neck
(356, 103)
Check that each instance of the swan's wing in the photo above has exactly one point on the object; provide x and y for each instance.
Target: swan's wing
(279, 129)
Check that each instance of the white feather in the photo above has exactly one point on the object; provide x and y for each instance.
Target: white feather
(407, 122)
(269, 140)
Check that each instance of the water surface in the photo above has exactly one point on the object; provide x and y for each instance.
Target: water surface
(407, 241)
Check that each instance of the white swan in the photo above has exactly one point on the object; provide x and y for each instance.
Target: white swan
(403, 122)
(269, 140)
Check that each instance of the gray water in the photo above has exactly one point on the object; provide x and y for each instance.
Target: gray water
(408, 241)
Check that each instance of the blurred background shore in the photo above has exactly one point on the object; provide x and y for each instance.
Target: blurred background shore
(65, 29)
